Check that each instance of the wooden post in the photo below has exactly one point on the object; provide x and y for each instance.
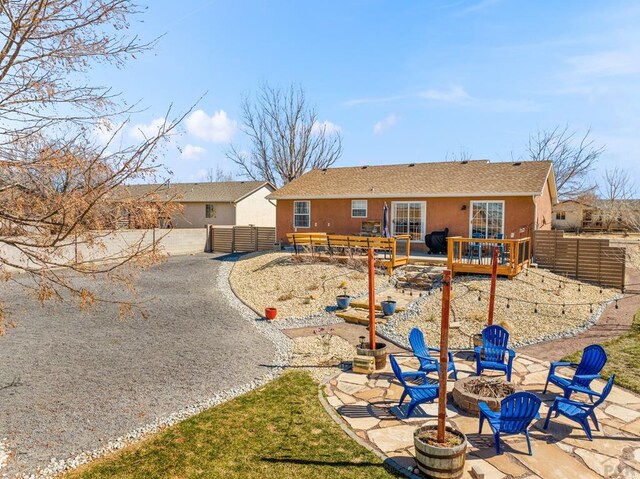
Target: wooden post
(372, 302)
(494, 277)
(444, 356)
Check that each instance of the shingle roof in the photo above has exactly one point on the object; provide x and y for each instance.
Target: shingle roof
(466, 178)
(216, 192)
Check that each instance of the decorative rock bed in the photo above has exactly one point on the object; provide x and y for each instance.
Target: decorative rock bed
(465, 399)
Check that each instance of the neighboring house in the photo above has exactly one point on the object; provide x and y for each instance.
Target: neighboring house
(468, 197)
(215, 203)
(597, 215)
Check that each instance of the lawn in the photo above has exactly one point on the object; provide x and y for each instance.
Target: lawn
(624, 357)
(278, 431)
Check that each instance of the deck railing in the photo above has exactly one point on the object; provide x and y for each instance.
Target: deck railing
(474, 255)
(347, 246)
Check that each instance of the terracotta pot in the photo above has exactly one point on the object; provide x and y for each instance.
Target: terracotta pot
(270, 313)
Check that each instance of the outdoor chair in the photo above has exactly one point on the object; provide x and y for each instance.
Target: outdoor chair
(516, 413)
(429, 364)
(475, 249)
(418, 394)
(578, 411)
(593, 360)
(494, 353)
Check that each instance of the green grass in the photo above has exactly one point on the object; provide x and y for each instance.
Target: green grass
(624, 357)
(279, 431)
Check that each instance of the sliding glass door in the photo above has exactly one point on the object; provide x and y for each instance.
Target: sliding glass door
(410, 218)
(486, 219)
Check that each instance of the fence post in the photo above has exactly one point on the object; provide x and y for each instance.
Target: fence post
(372, 300)
(444, 356)
(492, 294)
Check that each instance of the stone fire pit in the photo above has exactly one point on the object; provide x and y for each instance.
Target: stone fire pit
(494, 390)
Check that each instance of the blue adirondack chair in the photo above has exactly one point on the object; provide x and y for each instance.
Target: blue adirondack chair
(418, 394)
(497, 355)
(578, 411)
(475, 248)
(516, 413)
(423, 353)
(593, 360)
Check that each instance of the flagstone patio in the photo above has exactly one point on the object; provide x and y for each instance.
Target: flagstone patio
(368, 405)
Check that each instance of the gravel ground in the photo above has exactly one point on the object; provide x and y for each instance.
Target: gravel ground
(322, 354)
(72, 382)
(525, 325)
(297, 289)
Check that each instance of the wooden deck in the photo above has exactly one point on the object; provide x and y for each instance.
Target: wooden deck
(473, 255)
(345, 247)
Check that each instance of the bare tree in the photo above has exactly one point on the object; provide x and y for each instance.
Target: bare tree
(286, 137)
(59, 187)
(573, 158)
(462, 155)
(617, 206)
(218, 175)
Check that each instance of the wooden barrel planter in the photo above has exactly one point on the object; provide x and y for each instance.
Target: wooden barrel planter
(380, 353)
(437, 462)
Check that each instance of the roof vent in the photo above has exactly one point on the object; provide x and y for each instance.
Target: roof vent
(465, 162)
(411, 164)
(364, 167)
(324, 170)
(517, 163)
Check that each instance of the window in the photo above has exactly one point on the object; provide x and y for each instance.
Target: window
(301, 214)
(210, 211)
(358, 208)
(561, 215)
(409, 218)
(487, 219)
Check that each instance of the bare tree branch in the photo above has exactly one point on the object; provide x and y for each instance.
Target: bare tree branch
(285, 135)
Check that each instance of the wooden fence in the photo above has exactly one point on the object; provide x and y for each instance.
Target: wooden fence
(241, 239)
(585, 259)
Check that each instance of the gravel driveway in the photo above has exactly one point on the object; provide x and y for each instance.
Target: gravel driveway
(70, 381)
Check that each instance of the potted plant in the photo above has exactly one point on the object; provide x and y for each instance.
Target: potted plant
(441, 449)
(270, 313)
(388, 306)
(343, 300)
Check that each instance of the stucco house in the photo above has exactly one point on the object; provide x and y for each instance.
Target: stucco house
(467, 197)
(215, 203)
(597, 215)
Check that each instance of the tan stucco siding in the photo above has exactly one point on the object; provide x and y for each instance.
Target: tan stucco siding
(573, 213)
(256, 210)
(194, 215)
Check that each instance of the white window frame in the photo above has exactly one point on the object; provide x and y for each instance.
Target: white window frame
(484, 201)
(366, 209)
(423, 218)
(308, 214)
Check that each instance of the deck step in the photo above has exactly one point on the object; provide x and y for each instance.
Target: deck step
(359, 316)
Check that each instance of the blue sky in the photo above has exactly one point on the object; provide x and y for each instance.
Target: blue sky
(404, 81)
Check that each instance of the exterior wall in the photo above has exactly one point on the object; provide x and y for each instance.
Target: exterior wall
(334, 216)
(193, 215)
(256, 210)
(573, 216)
(544, 209)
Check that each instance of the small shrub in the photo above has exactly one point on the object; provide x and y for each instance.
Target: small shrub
(286, 297)
(313, 287)
(343, 285)
(307, 300)
(477, 315)
(506, 325)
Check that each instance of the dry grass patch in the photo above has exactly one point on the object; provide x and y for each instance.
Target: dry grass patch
(296, 288)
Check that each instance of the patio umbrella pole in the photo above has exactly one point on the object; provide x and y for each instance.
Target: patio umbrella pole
(372, 302)
(494, 277)
(444, 356)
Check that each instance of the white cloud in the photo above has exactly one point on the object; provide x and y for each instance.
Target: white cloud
(326, 126)
(106, 132)
(218, 128)
(385, 124)
(454, 94)
(191, 152)
(605, 64)
(141, 132)
(375, 100)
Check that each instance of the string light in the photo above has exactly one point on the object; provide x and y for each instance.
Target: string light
(562, 308)
(508, 303)
(579, 287)
(616, 304)
(591, 308)
(479, 296)
(535, 309)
